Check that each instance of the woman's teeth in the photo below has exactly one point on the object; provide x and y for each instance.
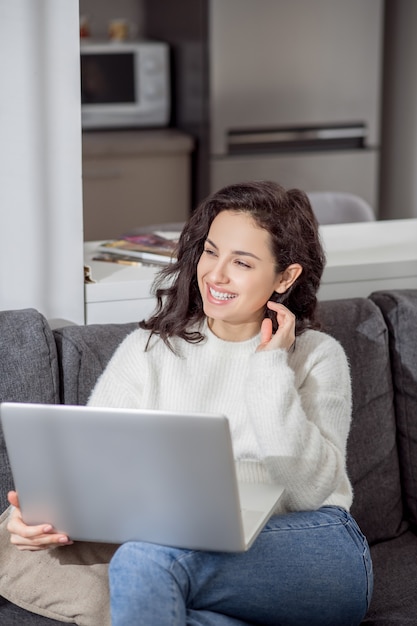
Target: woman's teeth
(222, 296)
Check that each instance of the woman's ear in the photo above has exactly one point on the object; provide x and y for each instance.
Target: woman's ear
(288, 277)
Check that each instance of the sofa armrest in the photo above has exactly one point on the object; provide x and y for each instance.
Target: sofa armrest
(399, 308)
(372, 456)
(28, 371)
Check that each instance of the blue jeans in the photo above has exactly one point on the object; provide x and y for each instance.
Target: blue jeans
(305, 569)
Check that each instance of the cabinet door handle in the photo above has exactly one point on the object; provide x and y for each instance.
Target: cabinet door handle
(343, 136)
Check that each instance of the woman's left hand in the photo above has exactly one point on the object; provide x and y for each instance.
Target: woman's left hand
(284, 338)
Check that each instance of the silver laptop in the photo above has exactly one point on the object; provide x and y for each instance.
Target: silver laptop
(114, 475)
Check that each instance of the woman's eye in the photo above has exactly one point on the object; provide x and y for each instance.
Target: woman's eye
(242, 264)
(209, 251)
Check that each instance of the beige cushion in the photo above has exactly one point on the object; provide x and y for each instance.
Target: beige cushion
(68, 583)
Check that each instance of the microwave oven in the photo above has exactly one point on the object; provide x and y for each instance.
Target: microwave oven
(124, 84)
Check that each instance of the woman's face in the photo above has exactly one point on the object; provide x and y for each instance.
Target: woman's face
(236, 275)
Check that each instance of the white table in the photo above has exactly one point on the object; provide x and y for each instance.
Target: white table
(361, 258)
(369, 256)
(120, 293)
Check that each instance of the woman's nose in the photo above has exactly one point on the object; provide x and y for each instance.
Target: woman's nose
(218, 273)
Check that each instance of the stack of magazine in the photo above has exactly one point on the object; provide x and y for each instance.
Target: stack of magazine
(144, 249)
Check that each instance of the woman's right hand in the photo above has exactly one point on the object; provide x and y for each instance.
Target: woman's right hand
(26, 537)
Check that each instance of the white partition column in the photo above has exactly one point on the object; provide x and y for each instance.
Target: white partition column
(41, 237)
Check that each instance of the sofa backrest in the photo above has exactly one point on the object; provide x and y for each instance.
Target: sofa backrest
(373, 463)
(28, 370)
(84, 352)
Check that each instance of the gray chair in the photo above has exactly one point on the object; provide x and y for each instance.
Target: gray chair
(332, 207)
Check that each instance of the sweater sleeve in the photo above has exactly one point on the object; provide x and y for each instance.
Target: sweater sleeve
(121, 383)
(300, 407)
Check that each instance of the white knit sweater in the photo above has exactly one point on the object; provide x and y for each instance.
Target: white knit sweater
(289, 413)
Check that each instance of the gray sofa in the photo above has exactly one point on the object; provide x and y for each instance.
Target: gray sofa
(379, 334)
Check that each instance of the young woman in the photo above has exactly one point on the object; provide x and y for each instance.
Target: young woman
(236, 332)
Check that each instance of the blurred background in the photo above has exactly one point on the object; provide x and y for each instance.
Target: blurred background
(319, 94)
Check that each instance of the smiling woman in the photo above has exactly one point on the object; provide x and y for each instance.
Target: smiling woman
(264, 227)
(222, 339)
(237, 274)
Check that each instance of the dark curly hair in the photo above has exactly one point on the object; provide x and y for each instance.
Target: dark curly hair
(288, 218)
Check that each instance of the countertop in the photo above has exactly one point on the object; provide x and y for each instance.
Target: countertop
(98, 143)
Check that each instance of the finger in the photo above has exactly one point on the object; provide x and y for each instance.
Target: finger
(279, 308)
(266, 334)
(284, 315)
(40, 542)
(32, 548)
(285, 335)
(276, 306)
(16, 526)
(41, 535)
(266, 330)
(13, 498)
(27, 537)
(21, 531)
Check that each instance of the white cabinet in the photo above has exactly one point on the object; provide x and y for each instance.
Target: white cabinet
(134, 178)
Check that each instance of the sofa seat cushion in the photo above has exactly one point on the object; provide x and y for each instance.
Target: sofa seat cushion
(84, 352)
(28, 370)
(373, 463)
(12, 615)
(394, 600)
(400, 312)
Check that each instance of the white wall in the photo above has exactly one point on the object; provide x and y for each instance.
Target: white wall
(41, 251)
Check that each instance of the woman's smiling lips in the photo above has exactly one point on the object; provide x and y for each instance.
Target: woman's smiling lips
(219, 296)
